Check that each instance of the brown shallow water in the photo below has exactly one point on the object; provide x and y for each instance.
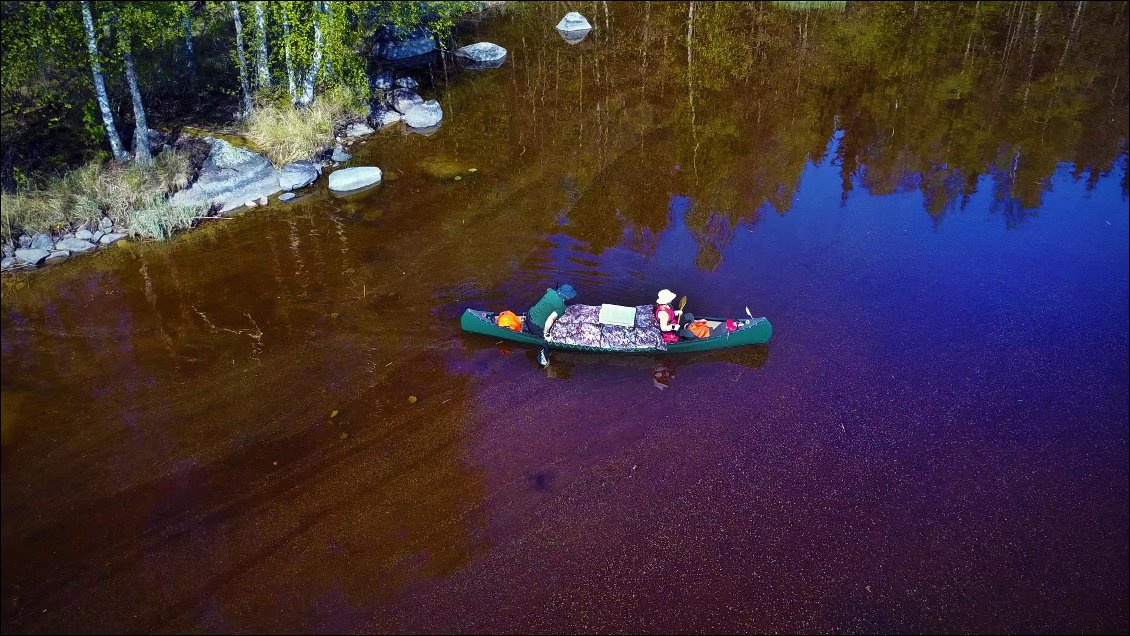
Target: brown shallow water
(215, 434)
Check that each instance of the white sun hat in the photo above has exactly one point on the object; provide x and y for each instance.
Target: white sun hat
(665, 297)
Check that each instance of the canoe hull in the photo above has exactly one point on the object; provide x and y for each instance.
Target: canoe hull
(482, 322)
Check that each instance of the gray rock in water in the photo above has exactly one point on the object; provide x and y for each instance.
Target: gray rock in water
(358, 129)
(25, 242)
(407, 82)
(42, 241)
(263, 201)
(112, 237)
(574, 21)
(425, 115)
(298, 175)
(286, 196)
(354, 178)
(97, 235)
(402, 100)
(382, 81)
(393, 44)
(8, 263)
(250, 203)
(84, 234)
(481, 55)
(381, 117)
(229, 177)
(74, 245)
(32, 256)
(57, 254)
(340, 155)
(106, 224)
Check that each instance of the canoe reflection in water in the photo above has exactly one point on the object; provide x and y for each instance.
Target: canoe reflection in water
(564, 364)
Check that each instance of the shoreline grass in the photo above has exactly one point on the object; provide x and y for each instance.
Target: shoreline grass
(287, 133)
(132, 197)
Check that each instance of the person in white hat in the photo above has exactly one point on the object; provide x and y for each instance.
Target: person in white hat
(668, 318)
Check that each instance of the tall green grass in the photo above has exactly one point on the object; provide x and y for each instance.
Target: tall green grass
(286, 133)
(132, 197)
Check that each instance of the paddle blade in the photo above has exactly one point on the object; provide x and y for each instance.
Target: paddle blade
(747, 312)
(682, 303)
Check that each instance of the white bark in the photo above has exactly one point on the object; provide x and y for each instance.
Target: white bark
(307, 96)
(190, 56)
(261, 23)
(248, 105)
(141, 127)
(100, 86)
(286, 54)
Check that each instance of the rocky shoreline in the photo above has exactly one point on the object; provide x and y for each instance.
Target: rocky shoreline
(227, 178)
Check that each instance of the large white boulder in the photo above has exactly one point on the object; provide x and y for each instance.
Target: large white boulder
(425, 115)
(573, 21)
(354, 178)
(297, 175)
(481, 55)
(402, 100)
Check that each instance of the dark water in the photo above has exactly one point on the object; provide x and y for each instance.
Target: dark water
(929, 202)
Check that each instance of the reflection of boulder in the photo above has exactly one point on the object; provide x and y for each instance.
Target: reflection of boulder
(391, 44)
(574, 21)
(481, 55)
(574, 37)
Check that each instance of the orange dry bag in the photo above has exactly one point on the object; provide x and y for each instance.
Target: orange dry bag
(509, 320)
(700, 329)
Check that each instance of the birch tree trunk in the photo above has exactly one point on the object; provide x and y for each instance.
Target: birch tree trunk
(307, 96)
(261, 23)
(286, 55)
(141, 128)
(248, 105)
(190, 57)
(100, 86)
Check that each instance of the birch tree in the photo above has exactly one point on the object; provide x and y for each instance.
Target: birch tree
(286, 53)
(100, 86)
(261, 32)
(307, 96)
(189, 55)
(248, 105)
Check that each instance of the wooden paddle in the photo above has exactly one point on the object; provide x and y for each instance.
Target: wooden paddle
(682, 303)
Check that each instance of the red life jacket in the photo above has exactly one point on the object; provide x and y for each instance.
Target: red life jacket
(659, 309)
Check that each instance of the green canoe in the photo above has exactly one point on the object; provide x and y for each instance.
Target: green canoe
(751, 331)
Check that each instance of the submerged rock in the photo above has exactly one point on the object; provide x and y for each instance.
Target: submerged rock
(425, 115)
(286, 196)
(229, 177)
(111, 237)
(574, 21)
(297, 175)
(354, 178)
(32, 256)
(402, 100)
(481, 55)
